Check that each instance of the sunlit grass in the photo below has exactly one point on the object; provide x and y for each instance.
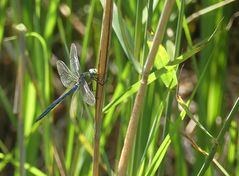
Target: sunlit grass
(63, 142)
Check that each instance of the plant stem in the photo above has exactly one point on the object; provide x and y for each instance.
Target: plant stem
(134, 119)
(102, 70)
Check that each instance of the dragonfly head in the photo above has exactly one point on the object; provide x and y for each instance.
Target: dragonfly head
(93, 72)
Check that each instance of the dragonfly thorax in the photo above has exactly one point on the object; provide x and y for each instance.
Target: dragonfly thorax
(88, 76)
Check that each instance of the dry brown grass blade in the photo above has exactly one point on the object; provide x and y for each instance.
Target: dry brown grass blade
(134, 119)
(102, 70)
(58, 155)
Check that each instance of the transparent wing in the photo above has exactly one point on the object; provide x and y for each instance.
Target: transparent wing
(74, 104)
(67, 77)
(74, 62)
(87, 94)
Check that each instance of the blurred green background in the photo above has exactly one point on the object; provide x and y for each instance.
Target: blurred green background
(35, 34)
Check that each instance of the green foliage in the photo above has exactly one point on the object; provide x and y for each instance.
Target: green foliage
(34, 34)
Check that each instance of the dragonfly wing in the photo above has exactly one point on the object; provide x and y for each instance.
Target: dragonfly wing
(74, 104)
(74, 62)
(67, 77)
(87, 94)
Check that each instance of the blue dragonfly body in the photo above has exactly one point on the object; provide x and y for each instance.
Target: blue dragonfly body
(73, 78)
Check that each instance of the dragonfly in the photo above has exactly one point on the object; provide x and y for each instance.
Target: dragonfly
(71, 78)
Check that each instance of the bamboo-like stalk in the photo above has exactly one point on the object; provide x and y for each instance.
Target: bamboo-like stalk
(134, 119)
(102, 71)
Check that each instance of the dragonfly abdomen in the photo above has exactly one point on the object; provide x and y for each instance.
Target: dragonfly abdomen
(57, 101)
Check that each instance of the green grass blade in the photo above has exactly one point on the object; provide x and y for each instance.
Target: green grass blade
(3, 4)
(88, 30)
(7, 106)
(158, 156)
(51, 18)
(124, 36)
(220, 138)
(132, 90)
(191, 116)
(8, 158)
(138, 29)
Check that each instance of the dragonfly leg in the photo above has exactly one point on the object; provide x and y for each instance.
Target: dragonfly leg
(100, 81)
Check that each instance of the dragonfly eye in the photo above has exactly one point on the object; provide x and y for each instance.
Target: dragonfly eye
(93, 71)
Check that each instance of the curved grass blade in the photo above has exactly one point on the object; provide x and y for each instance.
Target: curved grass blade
(220, 137)
(195, 49)
(8, 158)
(191, 116)
(133, 89)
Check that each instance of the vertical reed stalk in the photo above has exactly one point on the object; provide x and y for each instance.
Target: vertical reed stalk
(102, 70)
(134, 119)
(18, 99)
